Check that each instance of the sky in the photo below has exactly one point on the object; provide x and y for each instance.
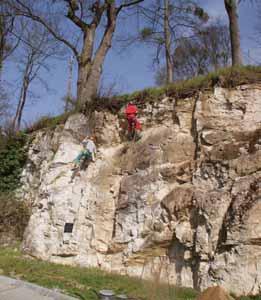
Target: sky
(130, 69)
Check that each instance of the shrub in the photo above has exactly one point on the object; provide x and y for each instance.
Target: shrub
(14, 216)
(13, 155)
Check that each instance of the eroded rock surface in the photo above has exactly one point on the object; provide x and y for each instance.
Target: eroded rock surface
(182, 203)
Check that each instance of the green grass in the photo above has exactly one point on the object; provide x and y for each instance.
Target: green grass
(81, 282)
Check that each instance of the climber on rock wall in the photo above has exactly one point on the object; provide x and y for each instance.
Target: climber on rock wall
(134, 125)
(86, 155)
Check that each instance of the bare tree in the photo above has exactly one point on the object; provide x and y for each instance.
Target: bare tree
(258, 25)
(215, 38)
(38, 48)
(4, 106)
(2, 40)
(68, 99)
(167, 21)
(4, 31)
(89, 18)
(167, 37)
(5, 49)
(8, 42)
(232, 11)
(208, 50)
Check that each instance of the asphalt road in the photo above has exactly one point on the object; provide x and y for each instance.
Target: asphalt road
(12, 289)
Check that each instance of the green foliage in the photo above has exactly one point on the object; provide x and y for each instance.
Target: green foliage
(82, 282)
(13, 155)
(14, 216)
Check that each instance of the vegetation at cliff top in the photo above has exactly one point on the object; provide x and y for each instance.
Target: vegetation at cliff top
(49, 122)
(227, 77)
(81, 282)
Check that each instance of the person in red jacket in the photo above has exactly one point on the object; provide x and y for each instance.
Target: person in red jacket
(133, 123)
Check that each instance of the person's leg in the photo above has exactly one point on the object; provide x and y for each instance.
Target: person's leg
(79, 158)
(77, 165)
(137, 130)
(77, 162)
(131, 126)
(87, 158)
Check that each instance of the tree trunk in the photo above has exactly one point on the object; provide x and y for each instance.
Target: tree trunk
(169, 65)
(87, 85)
(2, 42)
(20, 107)
(231, 8)
(90, 68)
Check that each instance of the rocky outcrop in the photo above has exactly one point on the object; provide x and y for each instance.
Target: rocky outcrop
(182, 203)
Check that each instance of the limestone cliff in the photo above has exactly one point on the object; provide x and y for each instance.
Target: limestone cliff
(183, 202)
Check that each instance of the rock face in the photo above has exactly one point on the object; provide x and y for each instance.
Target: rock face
(183, 203)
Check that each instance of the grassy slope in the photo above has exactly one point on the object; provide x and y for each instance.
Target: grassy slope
(79, 282)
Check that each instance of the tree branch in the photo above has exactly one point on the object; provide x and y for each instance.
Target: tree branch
(73, 17)
(28, 13)
(107, 36)
(128, 5)
(55, 35)
(98, 10)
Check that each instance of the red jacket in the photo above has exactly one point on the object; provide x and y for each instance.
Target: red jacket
(131, 109)
(131, 112)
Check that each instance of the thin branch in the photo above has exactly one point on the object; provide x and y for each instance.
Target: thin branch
(128, 5)
(28, 13)
(55, 35)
